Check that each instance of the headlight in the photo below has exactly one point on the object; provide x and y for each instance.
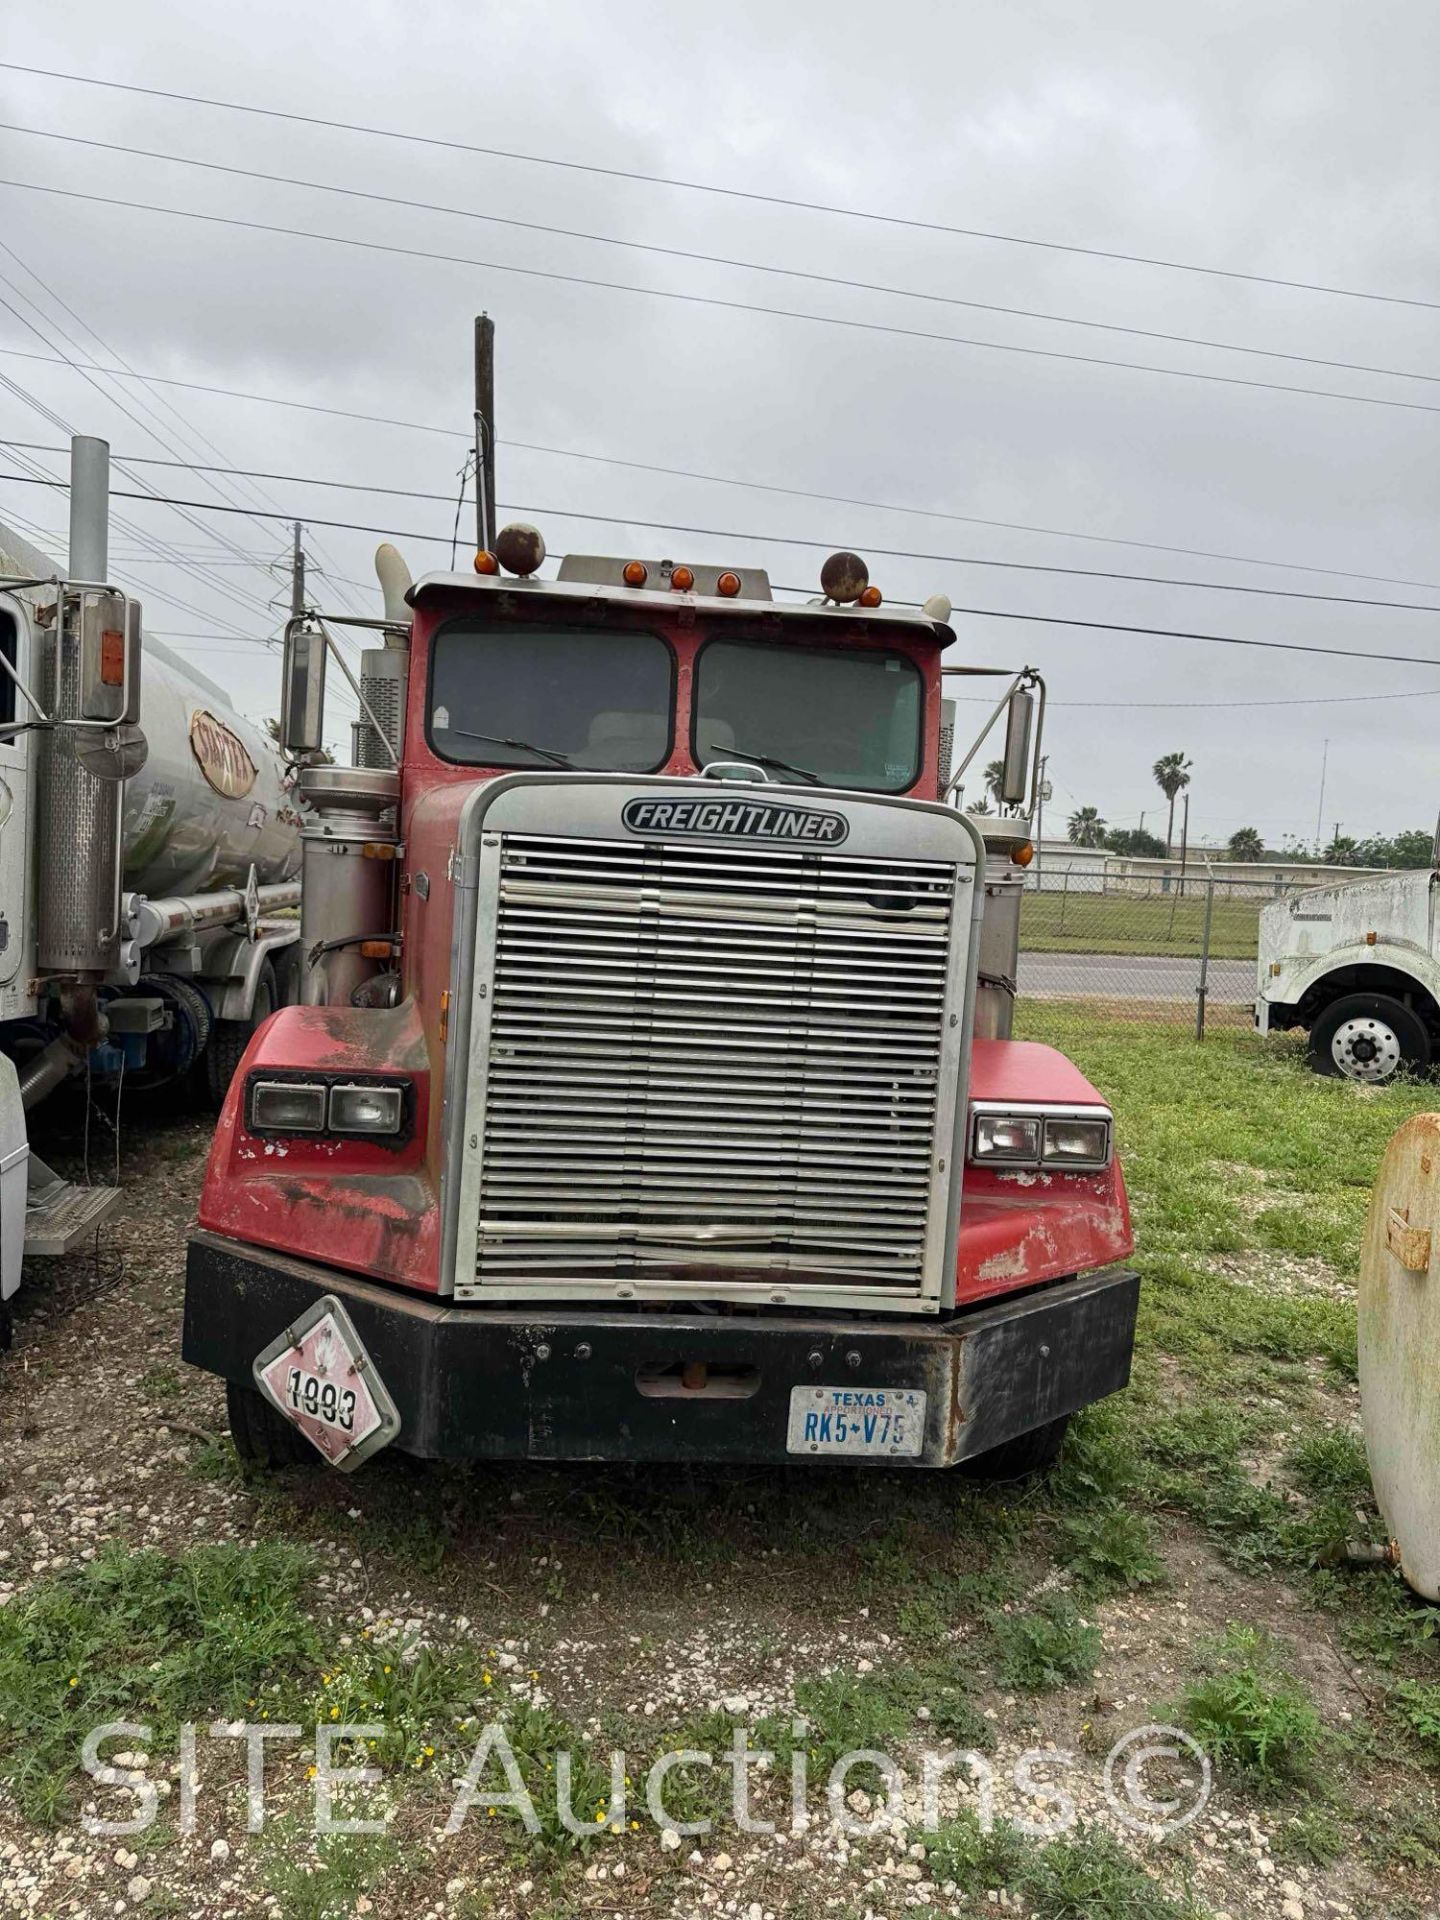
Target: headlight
(1067, 1139)
(366, 1109)
(287, 1106)
(1013, 1139)
(1077, 1143)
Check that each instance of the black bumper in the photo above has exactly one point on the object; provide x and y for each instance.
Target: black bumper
(486, 1383)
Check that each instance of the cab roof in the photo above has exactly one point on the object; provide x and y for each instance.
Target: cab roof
(572, 594)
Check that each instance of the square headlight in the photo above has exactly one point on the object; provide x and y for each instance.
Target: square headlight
(1011, 1139)
(1077, 1143)
(287, 1106)
(366, 1109)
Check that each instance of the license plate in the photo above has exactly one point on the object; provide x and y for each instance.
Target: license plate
(886, 1423)
(319, 1375)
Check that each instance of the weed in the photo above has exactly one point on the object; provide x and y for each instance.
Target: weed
(1417, 1705)
(1050, 1646)
(323, 1881)
(1253, 1716)
(1329, 1461)
(1086, 1875)
(1110, 1551)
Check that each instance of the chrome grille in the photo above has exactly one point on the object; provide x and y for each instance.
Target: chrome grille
(708, 1063)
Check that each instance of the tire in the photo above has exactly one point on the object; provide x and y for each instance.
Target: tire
(1015, 1459)
(230, 1038)
(260, 1434)
(1369, 1037)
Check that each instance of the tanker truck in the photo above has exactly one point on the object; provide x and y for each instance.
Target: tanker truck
(149, 845)
(653, 1096)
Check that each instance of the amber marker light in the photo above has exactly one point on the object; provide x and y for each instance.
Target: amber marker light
(636, 573)
(871, 597)
(682, 579)
(728, 584)
(1023, 854)
(486, 562)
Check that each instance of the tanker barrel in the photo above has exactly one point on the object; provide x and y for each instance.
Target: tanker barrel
(89, 508)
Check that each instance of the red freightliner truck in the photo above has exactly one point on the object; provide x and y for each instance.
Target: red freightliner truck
(652, 1096)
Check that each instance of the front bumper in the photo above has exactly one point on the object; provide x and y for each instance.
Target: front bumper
(486, 1383)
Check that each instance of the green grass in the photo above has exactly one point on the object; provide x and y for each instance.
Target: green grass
(148, 1638)
(1076, 922)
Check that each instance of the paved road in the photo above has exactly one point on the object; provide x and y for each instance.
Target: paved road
(1130, 976)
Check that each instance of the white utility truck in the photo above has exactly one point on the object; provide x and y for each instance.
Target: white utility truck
(1356, 965)
(149, 837)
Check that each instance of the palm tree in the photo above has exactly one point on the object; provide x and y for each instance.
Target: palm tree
(1246, 844)
(995, 782)
(1172, 772)
(1086, 828)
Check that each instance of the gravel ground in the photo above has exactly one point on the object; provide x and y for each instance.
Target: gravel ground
(612, 1598)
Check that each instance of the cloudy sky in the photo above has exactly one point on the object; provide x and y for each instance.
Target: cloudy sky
(1290, 139)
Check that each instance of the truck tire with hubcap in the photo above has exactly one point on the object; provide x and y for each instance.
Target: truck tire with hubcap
(1369, 1037)
(261, 1435)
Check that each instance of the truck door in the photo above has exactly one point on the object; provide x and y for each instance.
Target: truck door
(14, 794)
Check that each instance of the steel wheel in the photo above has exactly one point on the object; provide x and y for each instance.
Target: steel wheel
(1369, 1037)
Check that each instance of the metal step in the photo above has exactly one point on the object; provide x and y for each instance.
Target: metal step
(59, 1215)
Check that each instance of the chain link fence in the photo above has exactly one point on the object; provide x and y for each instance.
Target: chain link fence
(1167, 948)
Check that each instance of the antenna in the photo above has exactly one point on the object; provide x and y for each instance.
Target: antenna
(484, 433)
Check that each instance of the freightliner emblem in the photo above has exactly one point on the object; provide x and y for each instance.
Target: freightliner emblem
(736, 820)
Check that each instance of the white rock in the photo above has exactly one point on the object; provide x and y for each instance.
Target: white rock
(219, 1849)
(138, 1888)
(1292, 1910)
(735, 1703)
(669, 1840)
(722, 1863)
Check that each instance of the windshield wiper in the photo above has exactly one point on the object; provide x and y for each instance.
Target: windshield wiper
(525, 746)
(769, 760)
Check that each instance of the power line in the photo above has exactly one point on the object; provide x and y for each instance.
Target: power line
(760, 486)
(796, 540)
(712, 259)
(847, 324)
(977, 613)
(724, 192)
(1128, 706)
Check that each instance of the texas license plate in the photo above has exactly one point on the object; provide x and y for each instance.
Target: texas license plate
(319, 1375)
(887, 1423)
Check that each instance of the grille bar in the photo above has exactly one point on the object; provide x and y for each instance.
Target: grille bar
(713, 1062)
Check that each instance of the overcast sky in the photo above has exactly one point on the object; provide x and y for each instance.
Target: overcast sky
(1295, 139)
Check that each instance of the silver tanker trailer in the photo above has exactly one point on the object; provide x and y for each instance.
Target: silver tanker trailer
(149, 838)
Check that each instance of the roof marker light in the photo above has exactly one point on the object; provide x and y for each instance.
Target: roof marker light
(871, 597)
(682, 579)
(486, 562)
(728, 584)
(636, 573)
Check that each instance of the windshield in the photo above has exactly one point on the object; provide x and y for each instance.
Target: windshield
(511, 695)
(831, 716)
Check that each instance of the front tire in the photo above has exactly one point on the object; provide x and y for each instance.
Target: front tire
(230, 1038)
(262, 1437)
(1016, 1459)
(1369, 1037)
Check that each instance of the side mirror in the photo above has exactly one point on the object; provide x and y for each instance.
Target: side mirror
(302, 700)
(109, 627)
(1015, 786)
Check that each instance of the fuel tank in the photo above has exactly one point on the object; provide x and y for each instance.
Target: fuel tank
(213, 797)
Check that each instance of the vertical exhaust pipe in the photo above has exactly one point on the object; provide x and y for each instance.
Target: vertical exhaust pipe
(89, 508)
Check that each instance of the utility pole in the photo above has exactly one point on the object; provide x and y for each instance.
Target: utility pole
(1320, 809)
(297, 574)
(1040, 819)
(1184, 834)
(484, 432)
